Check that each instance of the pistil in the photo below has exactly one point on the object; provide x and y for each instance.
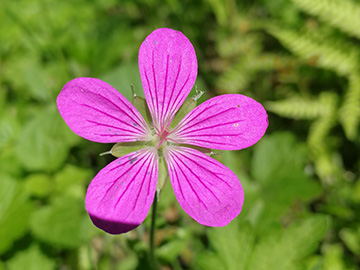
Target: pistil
(160, 137)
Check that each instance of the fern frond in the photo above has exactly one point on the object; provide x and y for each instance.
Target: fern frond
(220, 10)
(343, 14)
(234, 79)
(350, 110)
(238, 44)
(296, 108)
(237, 78)
(300, 108)
(324, 167)
(270, 62)
(321, 53)
(318, 134)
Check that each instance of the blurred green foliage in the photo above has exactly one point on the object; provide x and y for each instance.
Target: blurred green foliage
(300, 58)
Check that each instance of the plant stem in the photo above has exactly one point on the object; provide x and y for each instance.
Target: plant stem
(153, 260)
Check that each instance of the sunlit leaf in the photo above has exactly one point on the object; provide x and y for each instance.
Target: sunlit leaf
(279, 167)
(188, 106)
(141, 105)
(38, 184)
(333, 258)
(351, 238)
(71, 181)
(60, 223)
(209, 261)
(286, 249)
(31, 259)
(238, 247)
(45, 141)
(122, 149)
(171, 250)
(123, 77)
(233, 241)
(15, 211)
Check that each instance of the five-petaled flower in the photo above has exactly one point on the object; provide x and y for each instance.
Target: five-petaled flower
(119, 197)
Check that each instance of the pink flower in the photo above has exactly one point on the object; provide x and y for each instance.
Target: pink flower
(119, 197)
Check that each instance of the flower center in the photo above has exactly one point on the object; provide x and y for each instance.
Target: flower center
(160, 137)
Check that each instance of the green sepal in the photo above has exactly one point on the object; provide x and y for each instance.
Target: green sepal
(188, 105)
(163, 174)
(206, 151)
(141, 105)
(124, 148)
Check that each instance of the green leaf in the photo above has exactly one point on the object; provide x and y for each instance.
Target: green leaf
(344, 14)
(141, 105)
(237, 246)
(333, 258)
(300, 108)
(72, 176)
(163, 174)
(220, 9)
(41, 82)
(129, 262)
(15, 211)
(279, 167)
(31, 259)
(71, 181)
(38, 184)
(9, 125)
(351, 238)
(233, 241)
(209, 261)
(122, 149)
(123, 77)
(9, 164)
(45, 141)
(60, 223)
(274, 154)
(286, 250)
(309, 47)
(171, 250)
(349, 113)
(188, 105)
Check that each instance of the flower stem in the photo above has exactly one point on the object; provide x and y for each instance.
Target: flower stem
(153, 260)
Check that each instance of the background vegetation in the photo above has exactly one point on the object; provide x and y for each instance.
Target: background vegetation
(300, 58)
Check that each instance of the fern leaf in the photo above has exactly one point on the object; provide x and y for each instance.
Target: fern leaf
(350, 109)
(317, 134)
(220, 10)
(300, 108)
(325, 54)
(343, 14)
(269, 62)
(322, 126)
(318, 138)
(235, 79)
(238, 43)
(238, 77)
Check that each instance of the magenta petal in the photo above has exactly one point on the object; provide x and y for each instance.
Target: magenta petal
(207, 190)
(119, 197)
(168, 69)
(227, 122)
(96, 111)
